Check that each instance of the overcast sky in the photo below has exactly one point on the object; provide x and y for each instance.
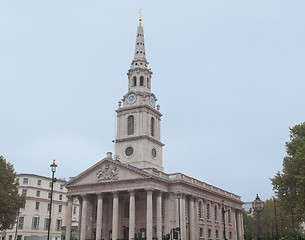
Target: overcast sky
(229, 77)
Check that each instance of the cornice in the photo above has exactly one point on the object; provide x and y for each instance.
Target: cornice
(134, 107)
(140, 137)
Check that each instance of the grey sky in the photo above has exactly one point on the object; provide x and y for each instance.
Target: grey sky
(228, 75)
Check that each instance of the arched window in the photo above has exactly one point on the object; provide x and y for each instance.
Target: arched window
(134, 83)
(208, 211)
(200, 209)
(148, 83)
(216, 213)
(141, 81)
(152, 126)
(130, 125)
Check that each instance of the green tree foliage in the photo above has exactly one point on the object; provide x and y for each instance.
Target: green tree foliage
(284, 223)
(289, 185)
(10, 200)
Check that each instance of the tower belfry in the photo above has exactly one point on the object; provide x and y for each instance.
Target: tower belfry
(138, 119)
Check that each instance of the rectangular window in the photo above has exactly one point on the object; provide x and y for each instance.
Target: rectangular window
(24, 192)
(201, 232)
(35, 223)
(209, 233)
(19, 237)
(74, 210)
(59, 208)
(25, 180)
(37, 206)
(39, 182)
(17, 180)
(60, 197)
(37, 193)
(217, 234)
(46, 223)
(50, 184)
(49, 206)
(61, 186)
(10, 237)
(58, 224)
(49, 195)
(20, 222)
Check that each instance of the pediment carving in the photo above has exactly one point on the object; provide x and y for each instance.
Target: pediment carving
(107, 172)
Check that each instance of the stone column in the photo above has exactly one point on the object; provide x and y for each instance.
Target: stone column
(132, 215)
(69, 217)
(159, 215)
(205, 219)
(115, 216)
(80, 199)
(182, 215)
(233, 215)
(196, 218)
(99, 217)
(84, 218)
(167, 215)
(192, 218)
(149, 215)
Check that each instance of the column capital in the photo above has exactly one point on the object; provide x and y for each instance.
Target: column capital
(70, 198)
(115, 193)
(100, 195)
(149, 189)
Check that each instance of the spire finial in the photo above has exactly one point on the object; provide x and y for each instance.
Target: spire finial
(140, 19)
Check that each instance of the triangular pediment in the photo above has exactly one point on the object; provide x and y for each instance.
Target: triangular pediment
(107, 170)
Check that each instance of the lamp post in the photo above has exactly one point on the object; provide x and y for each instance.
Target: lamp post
(17, 223)
(291, 202)
(258, 206)
(179, 195)
(53, 170)
(223, 210)
(275, 216)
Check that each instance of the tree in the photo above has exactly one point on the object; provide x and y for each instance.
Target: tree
(10, 200)
(289, 185)
(284, 223)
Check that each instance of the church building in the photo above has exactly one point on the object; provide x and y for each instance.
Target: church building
(129, 196)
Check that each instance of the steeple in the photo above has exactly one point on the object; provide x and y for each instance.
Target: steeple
(138, 140)
(140, 48)
(139, 75)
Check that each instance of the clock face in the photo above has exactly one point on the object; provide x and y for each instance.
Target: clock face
(152, 101)
(132, 98)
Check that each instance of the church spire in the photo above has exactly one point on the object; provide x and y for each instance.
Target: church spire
(140, 48)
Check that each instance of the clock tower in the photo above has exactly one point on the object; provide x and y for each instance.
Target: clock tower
(138, 118)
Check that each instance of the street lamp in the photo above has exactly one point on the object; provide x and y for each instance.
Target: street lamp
(53, 170)
(17, 223)
(275, 216)
(223, 210)
(179, 196)
(291, 203)
(258, 206)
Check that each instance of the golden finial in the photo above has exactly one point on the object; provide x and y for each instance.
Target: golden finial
(140, 19)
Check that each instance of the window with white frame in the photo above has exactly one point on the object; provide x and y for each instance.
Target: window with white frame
(35, 223)
(20, 222)
(58, 224)
(200, 210)
(25, 181)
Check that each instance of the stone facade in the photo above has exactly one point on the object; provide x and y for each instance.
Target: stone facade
(128, 196)
(33, 218)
